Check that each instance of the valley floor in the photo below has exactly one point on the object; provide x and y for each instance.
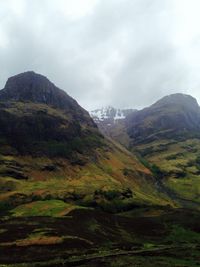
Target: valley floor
(89, 237)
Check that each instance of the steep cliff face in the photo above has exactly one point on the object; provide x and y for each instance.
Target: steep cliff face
(39, 118)
(33, 87)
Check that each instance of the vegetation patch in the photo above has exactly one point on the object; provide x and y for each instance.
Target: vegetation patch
(181, 235)
(53, 208)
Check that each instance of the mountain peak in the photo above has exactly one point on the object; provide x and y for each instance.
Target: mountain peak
(36, 88)
(32, 87)
(34, 111)
(177, 99)
(27, 80)
(172, 116)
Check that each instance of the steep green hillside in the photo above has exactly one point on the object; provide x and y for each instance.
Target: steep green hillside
(113, 180)
(166, 137)
(52, 150)
(177, 166)
(70, 197)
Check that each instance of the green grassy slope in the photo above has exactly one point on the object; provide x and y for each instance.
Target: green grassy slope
(178, 163)
(114, 180)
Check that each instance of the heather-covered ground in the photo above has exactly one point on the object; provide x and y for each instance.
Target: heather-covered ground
(88, 237)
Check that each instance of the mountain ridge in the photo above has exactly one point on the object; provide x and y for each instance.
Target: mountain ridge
(38, 117)
(32, 87)
(175, 114)
(57, 152)
(65, 191)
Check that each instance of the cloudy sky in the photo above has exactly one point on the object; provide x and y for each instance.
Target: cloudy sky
(125, 53)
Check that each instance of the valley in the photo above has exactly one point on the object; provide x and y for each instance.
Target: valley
(72, 194)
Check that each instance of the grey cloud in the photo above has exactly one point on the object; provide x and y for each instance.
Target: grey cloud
(122, 53)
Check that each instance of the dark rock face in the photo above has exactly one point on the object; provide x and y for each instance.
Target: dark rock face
(39, 125)
(32, 87)
(171, 117)
(38, 118)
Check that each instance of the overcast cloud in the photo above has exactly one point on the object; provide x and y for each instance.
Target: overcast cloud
(125, 53)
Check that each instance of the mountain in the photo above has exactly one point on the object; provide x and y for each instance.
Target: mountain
(36, 116)
(167, 136)
(173, 116)
(32, 87)
(51, 149)
(71, 197)
(110, 122)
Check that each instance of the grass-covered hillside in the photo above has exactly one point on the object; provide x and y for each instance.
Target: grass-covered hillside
(113, 181)
(177, 164)
(166, 137)
(70, 197)
(52, 150)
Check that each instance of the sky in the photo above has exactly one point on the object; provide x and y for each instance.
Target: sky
(124, 53)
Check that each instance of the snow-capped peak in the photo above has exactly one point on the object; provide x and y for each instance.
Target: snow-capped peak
(109, 113)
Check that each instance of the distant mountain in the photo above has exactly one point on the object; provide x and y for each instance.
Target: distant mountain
(110, 114)
(173, 116)
(110, 120)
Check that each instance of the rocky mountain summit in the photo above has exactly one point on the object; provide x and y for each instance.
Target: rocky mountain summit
(174, 116)
(38, 117)
(32, 87)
